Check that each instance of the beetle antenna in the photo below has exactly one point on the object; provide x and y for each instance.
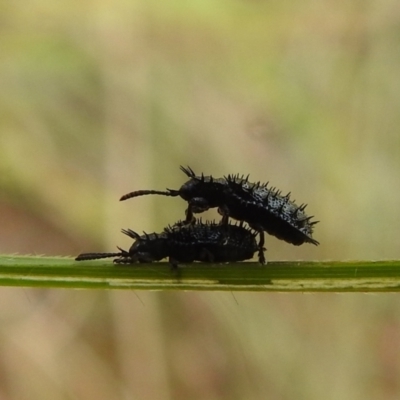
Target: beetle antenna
(170, 192)
(96, 256)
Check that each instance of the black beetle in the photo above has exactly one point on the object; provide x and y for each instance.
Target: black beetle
(185, 243)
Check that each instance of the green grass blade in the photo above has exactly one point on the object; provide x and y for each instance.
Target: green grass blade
(284, 276)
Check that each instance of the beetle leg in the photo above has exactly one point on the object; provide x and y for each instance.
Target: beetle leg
(174, 263)
(175, 270)
(125, 260)
(225, 215)
(190, 219)
(261, 248)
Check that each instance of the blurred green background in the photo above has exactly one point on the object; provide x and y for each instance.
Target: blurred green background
(101, 98)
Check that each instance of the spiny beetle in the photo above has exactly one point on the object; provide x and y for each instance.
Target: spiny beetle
(185, 243)
(263, 208)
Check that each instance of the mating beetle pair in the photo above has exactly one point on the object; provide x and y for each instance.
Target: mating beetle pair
(261, 207)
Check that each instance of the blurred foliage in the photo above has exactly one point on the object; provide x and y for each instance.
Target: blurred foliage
(101, 98)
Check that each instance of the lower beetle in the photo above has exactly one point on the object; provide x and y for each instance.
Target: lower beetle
(185, 243)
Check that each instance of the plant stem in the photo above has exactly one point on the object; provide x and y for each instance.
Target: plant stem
(283, 276)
